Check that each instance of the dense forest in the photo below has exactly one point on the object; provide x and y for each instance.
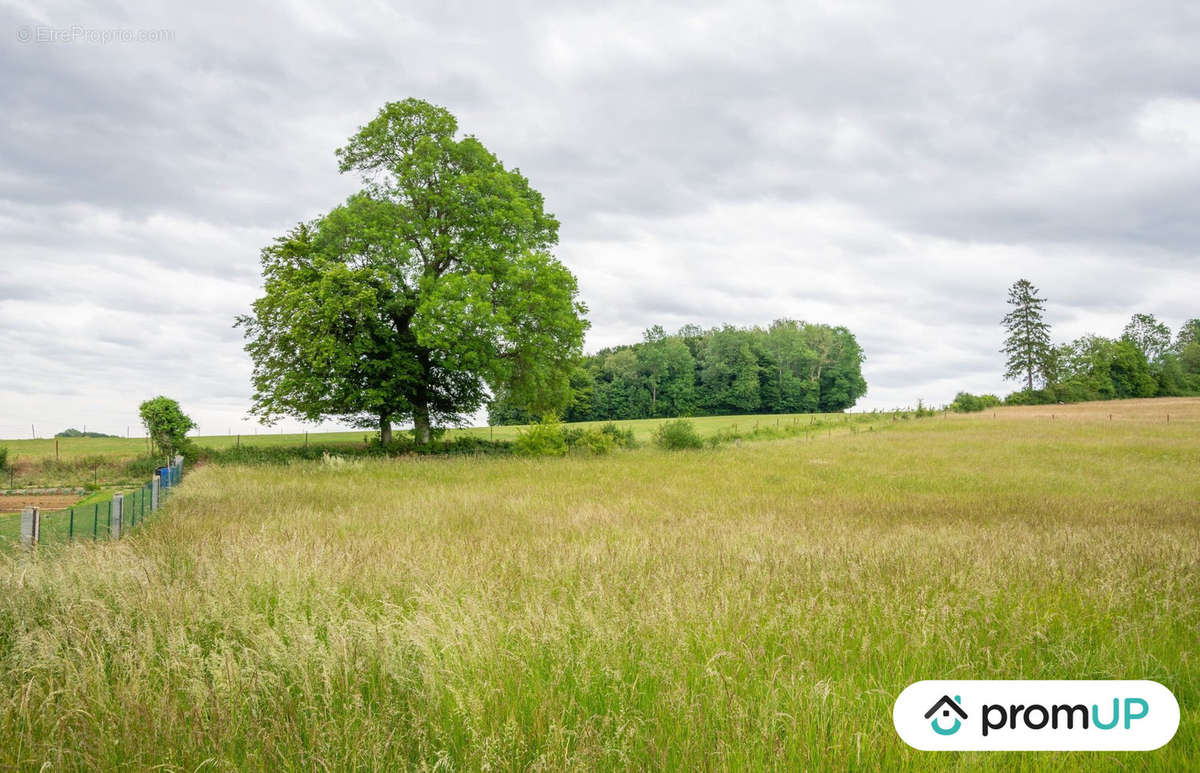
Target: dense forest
(788, 367)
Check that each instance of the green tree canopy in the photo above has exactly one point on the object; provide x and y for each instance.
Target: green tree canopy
(1151, 337)
(1189, 333)
(790, 367)
(166, 424)
(422, 293)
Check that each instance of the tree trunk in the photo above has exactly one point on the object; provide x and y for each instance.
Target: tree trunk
(385, 429)
(421, 425)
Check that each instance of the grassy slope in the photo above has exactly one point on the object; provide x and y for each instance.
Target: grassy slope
(747, 607)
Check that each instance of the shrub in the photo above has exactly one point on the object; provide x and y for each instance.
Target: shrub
(677, 434)
(965, 402)
(143, 466)
(466, 444)
(1035, 397)
(622, 438)
(282, 455)
(573, 436)
(596, 442)
(3, 458)
(546, 438)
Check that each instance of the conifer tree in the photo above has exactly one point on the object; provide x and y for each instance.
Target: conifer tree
(1028, 342)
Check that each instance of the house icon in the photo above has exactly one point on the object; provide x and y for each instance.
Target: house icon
(945, 706)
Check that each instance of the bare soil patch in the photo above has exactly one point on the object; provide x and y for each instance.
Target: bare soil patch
(13, 503)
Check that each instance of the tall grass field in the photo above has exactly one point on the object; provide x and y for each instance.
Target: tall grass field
(753, 606)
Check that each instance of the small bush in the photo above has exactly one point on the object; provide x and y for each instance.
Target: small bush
(923, 410)
(3, 458)
(545, 438)
(596, 442)
(249, 454)
(678, 434)
(965, 402)
(1035, 397)
(466, 444)
(622, 438)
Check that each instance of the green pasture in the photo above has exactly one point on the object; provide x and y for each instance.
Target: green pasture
(749, 607)
(70, 448)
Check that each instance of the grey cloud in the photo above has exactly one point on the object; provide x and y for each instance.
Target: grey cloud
(888, 168)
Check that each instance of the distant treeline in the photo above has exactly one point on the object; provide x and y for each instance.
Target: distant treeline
(72, 432)
(1144, 362)
(788, 367)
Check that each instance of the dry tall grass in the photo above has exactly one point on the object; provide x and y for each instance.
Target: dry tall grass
(746, 607)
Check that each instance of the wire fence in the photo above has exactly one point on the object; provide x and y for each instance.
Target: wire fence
(91, 522)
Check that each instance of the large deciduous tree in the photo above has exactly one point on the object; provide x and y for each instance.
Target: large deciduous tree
(1189, 333)
(1027, 344)
(1151, 337)
(421, 294)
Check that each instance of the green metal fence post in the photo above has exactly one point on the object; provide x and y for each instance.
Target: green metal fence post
(71, 527)
(95, 520)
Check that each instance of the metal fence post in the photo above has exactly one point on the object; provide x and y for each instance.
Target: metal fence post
(118, 506)
(155, 487)
(31, 521)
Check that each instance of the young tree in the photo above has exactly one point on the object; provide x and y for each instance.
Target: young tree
(166, 424)
(1027, 344)
(421, 294)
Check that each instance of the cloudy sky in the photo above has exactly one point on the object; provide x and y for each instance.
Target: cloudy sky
(891, 167)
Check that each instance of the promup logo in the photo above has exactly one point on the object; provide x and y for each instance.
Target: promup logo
(948, 704)
(1036, 715)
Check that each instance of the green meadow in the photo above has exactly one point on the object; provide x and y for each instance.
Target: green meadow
(752, 606)
(71, 448)
(104, 462)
